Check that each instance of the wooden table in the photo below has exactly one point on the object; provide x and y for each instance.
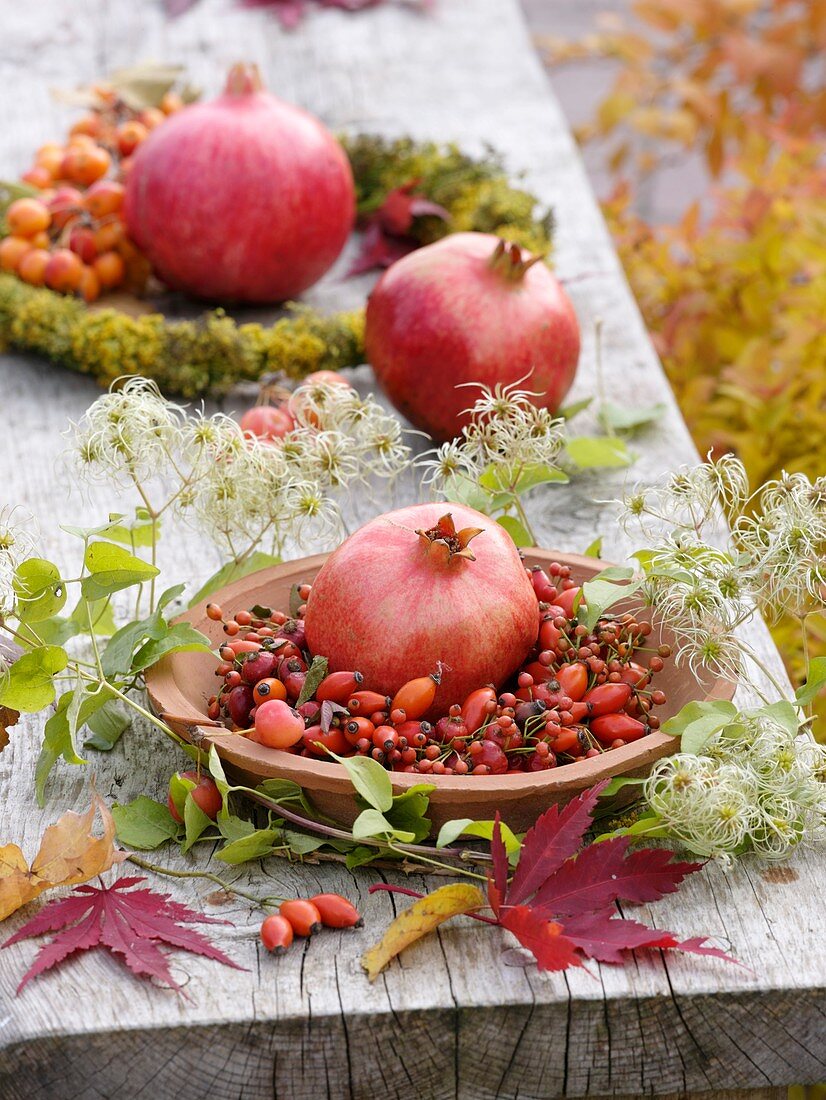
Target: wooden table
(449, 1019)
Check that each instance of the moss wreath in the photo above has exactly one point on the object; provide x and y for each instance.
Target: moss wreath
(208, 356)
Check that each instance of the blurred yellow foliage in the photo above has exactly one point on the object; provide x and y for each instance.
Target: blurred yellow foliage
(734, 295)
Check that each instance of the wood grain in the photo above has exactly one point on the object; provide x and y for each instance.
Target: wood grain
(449, 1019)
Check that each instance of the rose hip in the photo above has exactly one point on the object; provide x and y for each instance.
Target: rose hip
(477, 708)
(609, 727)
(338, 687)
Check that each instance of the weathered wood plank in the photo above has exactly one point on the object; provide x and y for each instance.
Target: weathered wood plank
(449, 1019)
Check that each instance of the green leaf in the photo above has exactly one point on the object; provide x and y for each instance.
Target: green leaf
(648, 826)
(40, 592)
(614, 418)
(216, 770)
(617, 784)
(101, 614)
(181, 637)
(783, 712)
(281, 790)
(371, 823)
(697, 722)
(196, 822)
(466, 826)
(595, 549)
(136, 532)
(255, 845)
(106, 725)
(360, 856)
(28, 685)
(464, 490)
(602, 592)
(815, 682)
(117, 657)
(540, 474)
(144, 823)
(233, 571)
(179, 788)
(315, 674)
(59, 630)
(231, 827)
(59, 732)
(300, 844)
(568, 412)
(112, 568)
(517, 530)
(370, 780)
(407, 814)
(531, 476)
(597, 452)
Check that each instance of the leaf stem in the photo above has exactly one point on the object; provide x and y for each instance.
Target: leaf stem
(403, 850)
(419, 851)
(228, 886)
(524, 517)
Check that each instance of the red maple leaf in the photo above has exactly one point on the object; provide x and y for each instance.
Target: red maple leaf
(545, 939)
(553, 839)
(606, 872)
(387, 231)
(498, 881)
(130, 923)
(560, 904)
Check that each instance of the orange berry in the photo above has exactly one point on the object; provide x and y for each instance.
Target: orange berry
(129, 250)
(104, 197)
(110, 269)
(171, 103)
(108, 234)
(25, 217)
(151, 117)
(82, 141)
(38, 176)
(32, 267)
(89, 124)
(40, 240)
(89, 287)
(65, 205)
(82, 241)
(129, 136)
(50, 155)
(64, 270)
(12, 251)
(85, 165)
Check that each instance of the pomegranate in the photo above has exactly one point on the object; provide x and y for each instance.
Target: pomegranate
(244, 199)
(469, 308)
(418, 591)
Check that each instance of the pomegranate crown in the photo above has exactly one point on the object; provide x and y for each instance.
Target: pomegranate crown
(244, 78)
(445, 541)
(509, 261)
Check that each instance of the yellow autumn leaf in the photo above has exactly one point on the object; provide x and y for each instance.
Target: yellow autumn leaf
(69, 853)
(422, 917)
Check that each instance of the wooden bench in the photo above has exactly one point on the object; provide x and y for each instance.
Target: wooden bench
(449, 1019)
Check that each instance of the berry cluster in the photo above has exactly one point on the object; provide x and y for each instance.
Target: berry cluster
(71, 236)
(305, 917)
(580, 693)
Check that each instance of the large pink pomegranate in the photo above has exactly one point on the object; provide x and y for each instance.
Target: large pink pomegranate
(244, 199)
(469, 308)
(422, 585)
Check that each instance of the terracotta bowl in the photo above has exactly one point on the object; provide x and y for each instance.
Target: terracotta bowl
(180, 684)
